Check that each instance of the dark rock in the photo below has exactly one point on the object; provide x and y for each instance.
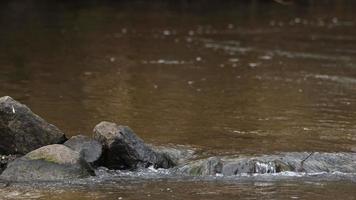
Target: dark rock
(52, 162)
(22, 131)
(123, 149)
(5, 160)
(89, 149)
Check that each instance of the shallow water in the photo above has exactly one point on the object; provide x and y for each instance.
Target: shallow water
(158, 185)
(227, 78)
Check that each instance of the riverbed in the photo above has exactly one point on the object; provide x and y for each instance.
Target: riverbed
(247, 77)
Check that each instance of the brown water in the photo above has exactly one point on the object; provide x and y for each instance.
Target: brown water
(228, 78)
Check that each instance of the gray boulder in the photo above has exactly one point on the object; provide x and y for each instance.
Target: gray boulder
(89, 149)
(123, 149)
(294, 161)
(22, 131)
(52, 162)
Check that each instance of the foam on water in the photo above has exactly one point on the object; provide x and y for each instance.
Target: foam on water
(263, 168)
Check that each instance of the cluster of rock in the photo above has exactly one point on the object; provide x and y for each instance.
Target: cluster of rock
(32, 149)
(44, 152)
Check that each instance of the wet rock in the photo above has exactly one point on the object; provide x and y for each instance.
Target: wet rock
(204, 167)
(282, 166)
(52, 162)
(238, 166)
(4, 184)
(123, 149)
(254, 165)
(22, 131)
(309, 162)
(176, 154)
(5, 160)
(321, 162)
(232, 166)
(89, 149)
(294, 161)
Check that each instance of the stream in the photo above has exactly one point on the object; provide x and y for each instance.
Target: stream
(225, 78)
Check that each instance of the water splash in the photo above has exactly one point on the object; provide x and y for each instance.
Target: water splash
(265, 167)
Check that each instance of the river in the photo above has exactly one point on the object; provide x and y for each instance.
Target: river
(248, 77)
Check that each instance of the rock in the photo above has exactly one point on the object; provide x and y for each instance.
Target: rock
(5, 160)
(177, 154)
(89, 149)
(294, 161)
(52, 162)
(321, 162)
(22, 131)
(254, 166)
(123, 149)
(238, 166)
(203, 167)
(4, 184)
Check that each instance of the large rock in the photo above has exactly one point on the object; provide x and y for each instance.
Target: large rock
(52, 162)
(123, 149)
(294, 161)
(89, 149)
(22, 131)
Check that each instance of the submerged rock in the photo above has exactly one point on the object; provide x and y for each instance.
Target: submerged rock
(123, 149)
(294, 161)
(203, 167)
(22, 131)
(254, 166)
(177, 154)
(89, 149)
(320, 162)
(52, 162)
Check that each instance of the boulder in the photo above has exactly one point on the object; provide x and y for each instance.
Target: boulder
(52, 162)
(22, 131)
(89, 149)
(123, 149)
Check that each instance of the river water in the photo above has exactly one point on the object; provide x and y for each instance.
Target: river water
(247, 77)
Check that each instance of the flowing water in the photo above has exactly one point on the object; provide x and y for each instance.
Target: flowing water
(247, 77)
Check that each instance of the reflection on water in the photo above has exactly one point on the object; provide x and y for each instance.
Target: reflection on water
(229, 78)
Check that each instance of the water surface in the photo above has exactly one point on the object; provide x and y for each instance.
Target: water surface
(228, 78)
